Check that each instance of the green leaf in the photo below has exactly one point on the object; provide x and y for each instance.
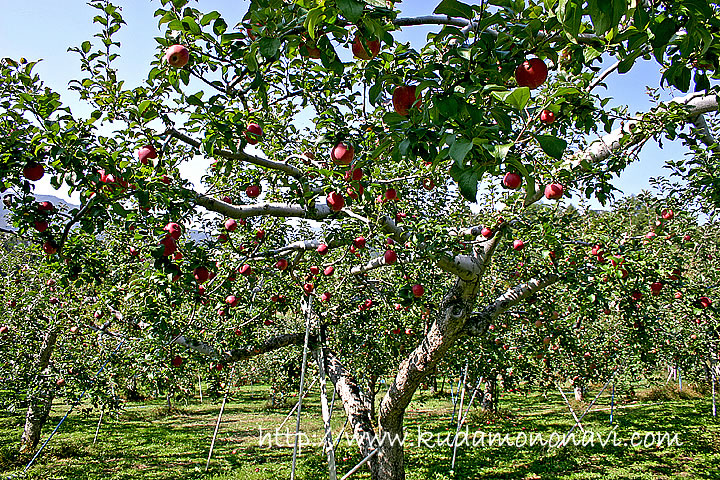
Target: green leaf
(219, 27)
(86, 45)
(312, 19)
(663, 32)
(454, 8)
(517, 98)
(570, 15)
(269, 47)
(467, 180)
(209, 17)
(351, 9)
(459, 149)
(552, 146)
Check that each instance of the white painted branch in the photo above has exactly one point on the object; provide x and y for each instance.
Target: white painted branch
(262, 209)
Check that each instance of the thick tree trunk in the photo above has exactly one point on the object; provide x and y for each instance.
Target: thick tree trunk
(579, 389)
(489, 403)
(40, 396)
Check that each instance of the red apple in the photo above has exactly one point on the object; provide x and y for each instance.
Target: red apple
(554, 191)
(655, 287)
(418, 290)
(281, 264)
(177, 56)
(687, 238)
(4, 329)
(60, 382)
(177, 256)
(246, 270)
(636, 295)
(254, 133)
(230, 224)
(201, 274)
(512, 180)
(678, 295)
(308, 288)
(668, 214)
(325, 297)
(518, 244)
(231, 300)
(390, 257)
(486, 232)
(704, 302)
(260, 234)
(531, 73)
(33, 171)
(45, 207)
(342, 154)
(322, 249)
(329, 271)
(50, 247)
(359, 242)
(335, 201)
(547, 117)
(146, 153)
(358, 49)
(253, 191)
(174, 229)
(314, 270)
(170, 246)
(355, 194)
(391, 194)
(650, 235)
(40, 225)
(404, 97)
(354, 174)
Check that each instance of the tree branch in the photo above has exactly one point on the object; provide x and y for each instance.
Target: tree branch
(267, 209)
(238, 354)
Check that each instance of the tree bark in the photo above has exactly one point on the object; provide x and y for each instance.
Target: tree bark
(488, 403)
(40, 396)
(579, 389)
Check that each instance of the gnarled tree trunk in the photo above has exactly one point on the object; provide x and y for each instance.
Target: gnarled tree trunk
(40, 396)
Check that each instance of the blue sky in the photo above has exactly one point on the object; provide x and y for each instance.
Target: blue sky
(44, 29)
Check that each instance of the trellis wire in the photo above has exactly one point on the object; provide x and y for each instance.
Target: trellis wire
(308, 314)
(57, 427)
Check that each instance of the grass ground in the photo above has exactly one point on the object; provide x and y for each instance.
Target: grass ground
(147, 442)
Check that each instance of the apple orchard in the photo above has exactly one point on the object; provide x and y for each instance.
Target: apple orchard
(402, 210)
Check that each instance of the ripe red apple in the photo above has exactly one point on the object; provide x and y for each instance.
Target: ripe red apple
(174, 230)
(650, 235)
(253, 191)
(134, 251)
(329, 271)
(418, 290)
(358, 49)
(512, 180)
(325, 297)
(428, 183)
(342, 154)
(355, 194)
(50, 247)
(281, 264)
(636, 295)
(170, 246)
(354, 174)
(486, 232)
(518, 244)
(45, 207)
(254, 133)
(146, 153)
(554, 191)
(656, 287)
(547, 117)
(246, 270)
(308, 288)
(322, 249)
(704, 302)
(404, 97)
(668, 214)
(40, 225)
(177, 56)
(230, 224)
(391, 194)
(678, 295)
(222, 238)
(359, 242)
(531, 73)
(201, 274)
(687, 238)
(390, 257)
(33, 171)
(231, 300)
(60, 382)
(335, 201)
(260, 234)
(314, 270)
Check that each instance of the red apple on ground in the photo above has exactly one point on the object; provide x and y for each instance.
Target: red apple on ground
(359, 50)
(253, 134)
(342, 154)
(390, 257)
(335, 201)
(146, 153)
(547, 117)
(531, 73)
(418, 290)
(554, 191)
(404, 97)
(512, 180)
(177, 56)
(33, 171)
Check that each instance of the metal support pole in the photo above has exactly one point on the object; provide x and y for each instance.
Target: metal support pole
(577, 421)
(217, 427)
(326, 415)
(308, 314)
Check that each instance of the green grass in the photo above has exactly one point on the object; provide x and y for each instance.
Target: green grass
(147, 442)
